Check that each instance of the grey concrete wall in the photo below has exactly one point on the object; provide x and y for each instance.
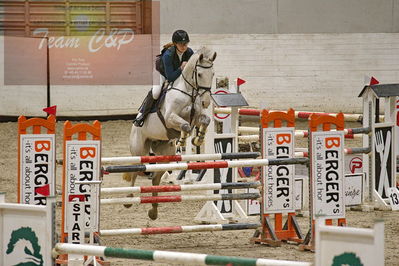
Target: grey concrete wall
(280, 16)
(310, 72)
(273, 44)
(338, 16)
(219, 16)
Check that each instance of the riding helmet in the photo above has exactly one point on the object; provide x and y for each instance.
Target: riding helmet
(180, 36)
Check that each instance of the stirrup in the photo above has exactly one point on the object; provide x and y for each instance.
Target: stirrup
(145, 109)
(139, 121)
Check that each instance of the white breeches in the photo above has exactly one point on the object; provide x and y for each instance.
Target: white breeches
(156, 89)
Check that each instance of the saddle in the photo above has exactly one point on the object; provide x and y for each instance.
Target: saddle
(170, 132)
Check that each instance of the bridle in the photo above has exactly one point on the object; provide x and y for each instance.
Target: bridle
(197, 88)
(195, 92)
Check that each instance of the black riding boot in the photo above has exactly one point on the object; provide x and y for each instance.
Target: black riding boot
(144, 110)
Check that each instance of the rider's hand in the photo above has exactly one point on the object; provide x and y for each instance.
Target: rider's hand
(183, 64)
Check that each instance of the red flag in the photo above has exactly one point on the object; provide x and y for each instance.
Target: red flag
(240, 81)
(374, 81)
(44, 190)
(52, 110)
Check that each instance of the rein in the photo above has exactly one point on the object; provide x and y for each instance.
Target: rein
(195, 88)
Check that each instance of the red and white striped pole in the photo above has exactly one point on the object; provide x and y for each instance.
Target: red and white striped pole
(179, 229)
(177, 158)
(176, 188)
(203, 165)
(179, 198)
(298, 114)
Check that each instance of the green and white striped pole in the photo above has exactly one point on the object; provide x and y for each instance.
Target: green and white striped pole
(168, 256)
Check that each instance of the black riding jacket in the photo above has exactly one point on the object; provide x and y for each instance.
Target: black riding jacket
(172, 63)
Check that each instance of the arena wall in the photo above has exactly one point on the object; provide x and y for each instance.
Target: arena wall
(309, 55)
(280, 16)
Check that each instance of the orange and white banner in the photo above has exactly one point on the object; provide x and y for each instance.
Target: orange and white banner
(327, 164)
(37, 170)
(278, 185)
(83, 164)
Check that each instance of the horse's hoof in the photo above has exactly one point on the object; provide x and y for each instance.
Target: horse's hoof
(152, 214)
(181, 144)
(127, 177)
(128, 205)
(197, 141)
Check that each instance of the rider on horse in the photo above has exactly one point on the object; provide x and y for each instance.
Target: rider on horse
(174, 57)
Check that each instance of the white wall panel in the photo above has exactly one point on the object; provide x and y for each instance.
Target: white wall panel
(97, 100)
(323, 72)
(18, 100)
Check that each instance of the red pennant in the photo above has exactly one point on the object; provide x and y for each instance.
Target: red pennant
(44, 190)
(374, 81)
(240, 81)
(52, 110)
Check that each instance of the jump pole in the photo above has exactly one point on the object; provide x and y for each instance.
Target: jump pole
(179, 229)
(180, 198)
(203, 165)
(176, 188)
(299, 133)
(176, 158)
(298, 114)
(168, 256)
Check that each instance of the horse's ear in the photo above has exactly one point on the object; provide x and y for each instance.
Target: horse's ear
(201, 56)
(214, 56)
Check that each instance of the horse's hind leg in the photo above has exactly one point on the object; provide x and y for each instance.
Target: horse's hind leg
(138, 147)
(203, 121)
(156, 178)
(159, 148)
(132, 178)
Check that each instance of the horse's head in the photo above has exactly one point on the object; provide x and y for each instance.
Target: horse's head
(201, 72)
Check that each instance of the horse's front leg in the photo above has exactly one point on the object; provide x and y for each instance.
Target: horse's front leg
(178, 123)
(203, 121)
(184, 134)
